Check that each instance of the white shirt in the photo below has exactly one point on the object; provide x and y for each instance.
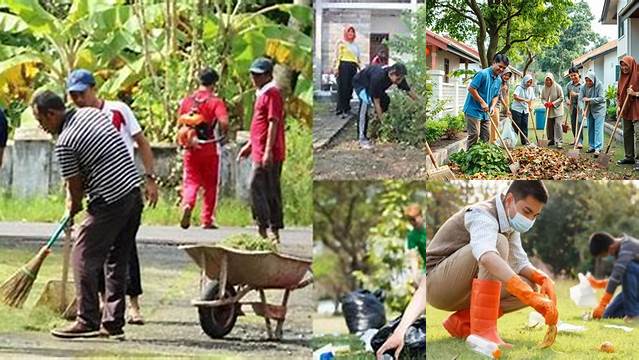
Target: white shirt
(484, 229)
(124, 121)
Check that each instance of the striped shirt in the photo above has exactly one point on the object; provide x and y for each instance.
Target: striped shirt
(90, 146)
(628, 251)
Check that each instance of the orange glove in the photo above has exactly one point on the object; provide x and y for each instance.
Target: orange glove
(547, 285)
(599, 310)
(516, 286)
(597, 284)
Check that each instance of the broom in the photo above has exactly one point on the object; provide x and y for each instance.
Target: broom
(15, 290)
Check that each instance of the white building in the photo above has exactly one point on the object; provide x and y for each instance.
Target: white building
(624, 14)
(603, 61)
(374, 22)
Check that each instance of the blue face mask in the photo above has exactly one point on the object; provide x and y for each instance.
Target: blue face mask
(520, 223)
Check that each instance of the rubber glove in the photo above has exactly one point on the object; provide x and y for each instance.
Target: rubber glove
(547, 285)
(597, 284)
(516, 286)
(599, 310)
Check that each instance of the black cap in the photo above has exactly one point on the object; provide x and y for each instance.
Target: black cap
(261, 66)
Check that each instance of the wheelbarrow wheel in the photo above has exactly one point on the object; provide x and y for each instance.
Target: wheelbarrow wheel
(217, 321)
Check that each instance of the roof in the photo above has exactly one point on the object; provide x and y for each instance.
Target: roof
(595, 53)
(609, 12)
(449, 44)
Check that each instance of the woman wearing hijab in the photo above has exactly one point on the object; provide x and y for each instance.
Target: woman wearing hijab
(522, 105)
(629, 78)
(592, 96)
(553, 96)
(346, 66)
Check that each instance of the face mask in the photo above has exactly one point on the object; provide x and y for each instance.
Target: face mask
(521, 223)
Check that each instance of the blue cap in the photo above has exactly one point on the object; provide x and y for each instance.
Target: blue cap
(261, 66)
(80, 80)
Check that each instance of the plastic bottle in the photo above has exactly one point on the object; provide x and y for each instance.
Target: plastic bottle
(482, 346)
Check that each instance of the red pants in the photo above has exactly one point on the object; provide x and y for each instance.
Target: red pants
(201, 169)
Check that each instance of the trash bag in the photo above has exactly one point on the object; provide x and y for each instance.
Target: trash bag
(508, 133)
(582, 294)
(414, 340)
(363, 310)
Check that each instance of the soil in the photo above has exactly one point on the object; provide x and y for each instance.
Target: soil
(343, 159)
(170, 281)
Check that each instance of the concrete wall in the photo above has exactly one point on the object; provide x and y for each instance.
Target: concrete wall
(333, 30)
(30, 167)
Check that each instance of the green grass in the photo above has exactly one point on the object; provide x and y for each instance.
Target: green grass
(512, 327)
(230, 212)
(356, 352)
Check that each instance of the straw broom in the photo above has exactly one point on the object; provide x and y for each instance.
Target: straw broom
(15, 290)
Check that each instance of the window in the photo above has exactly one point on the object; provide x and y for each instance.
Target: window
(446, 69)
(617, 72)
(621, 27)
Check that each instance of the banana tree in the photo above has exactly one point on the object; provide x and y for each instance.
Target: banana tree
(93, 35)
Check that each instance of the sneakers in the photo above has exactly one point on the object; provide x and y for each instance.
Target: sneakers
(580, 146)
(590, 151)
(185, 222)
(596, 153)
(626, 161)
(75, 330)
(365, 144)
(560, 146)
(211, 226)
(111, 334)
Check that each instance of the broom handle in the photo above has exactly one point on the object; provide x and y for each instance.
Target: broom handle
(58, 231)
(543, 136)
(502, 142)
(519, 129)
(623, 107)
(430, 154)
(581, 127)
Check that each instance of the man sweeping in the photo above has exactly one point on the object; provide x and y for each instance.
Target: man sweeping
(592, 96)
(625, 272)
(629, 78)
(267, 149)
(553, 96)
(81, 89)
(370, 86)
(109, 178)
(483, 93)
(572, 96)
(478, 268)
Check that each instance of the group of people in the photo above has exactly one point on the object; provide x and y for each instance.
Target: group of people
(369, 83)
(488, 96)
(95, 149)
(478, 270)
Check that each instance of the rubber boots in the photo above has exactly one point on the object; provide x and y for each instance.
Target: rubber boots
(484, 310)
(458, 324)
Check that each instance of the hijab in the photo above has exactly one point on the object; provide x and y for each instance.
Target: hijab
(625, 80)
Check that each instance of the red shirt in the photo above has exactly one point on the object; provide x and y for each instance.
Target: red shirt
(212, 109)
(269, 106)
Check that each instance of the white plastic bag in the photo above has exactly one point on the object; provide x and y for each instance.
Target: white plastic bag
(508, 133)
(583, 294)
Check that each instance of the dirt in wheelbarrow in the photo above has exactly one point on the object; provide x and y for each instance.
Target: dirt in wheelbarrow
(172, 329)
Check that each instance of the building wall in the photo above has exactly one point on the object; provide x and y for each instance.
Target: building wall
(633, 38)
(610, 69)
(333, 30)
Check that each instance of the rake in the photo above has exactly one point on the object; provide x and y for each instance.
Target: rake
(604, 159)
(574, 152)
(544, 142)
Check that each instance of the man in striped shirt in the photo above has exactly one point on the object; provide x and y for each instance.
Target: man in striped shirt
(625, 272)
(94, 160)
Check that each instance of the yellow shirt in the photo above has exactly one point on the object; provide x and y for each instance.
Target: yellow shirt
(346, 53)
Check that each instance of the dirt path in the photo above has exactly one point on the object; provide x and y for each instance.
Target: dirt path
(170, 281)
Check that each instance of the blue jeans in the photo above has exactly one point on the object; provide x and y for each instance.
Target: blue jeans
(595, 132)
(627, 302)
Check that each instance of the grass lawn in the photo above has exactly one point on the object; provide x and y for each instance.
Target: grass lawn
(512, 327)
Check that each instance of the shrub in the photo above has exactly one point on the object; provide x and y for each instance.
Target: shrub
(481, 158)
(435, 129)
(456, 123)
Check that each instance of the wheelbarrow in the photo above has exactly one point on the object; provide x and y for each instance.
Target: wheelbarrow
(228, 275)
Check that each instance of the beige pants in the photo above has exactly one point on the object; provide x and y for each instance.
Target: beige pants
(448, 285)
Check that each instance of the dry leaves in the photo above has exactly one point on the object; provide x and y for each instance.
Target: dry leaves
(549, 164)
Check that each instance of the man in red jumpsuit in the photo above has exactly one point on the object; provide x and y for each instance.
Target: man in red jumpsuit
(202, 160)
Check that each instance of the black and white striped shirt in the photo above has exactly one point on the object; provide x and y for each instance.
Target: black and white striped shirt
(89, 145)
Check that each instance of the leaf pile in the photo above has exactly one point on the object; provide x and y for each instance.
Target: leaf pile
(249, 242)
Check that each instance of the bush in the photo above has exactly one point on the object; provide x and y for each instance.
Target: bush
(481, 158)
(435, 129)
(456, 124)
(405, 121)
(297, 178)
(611, 112)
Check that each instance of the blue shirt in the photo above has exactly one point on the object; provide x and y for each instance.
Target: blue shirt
(487, 85)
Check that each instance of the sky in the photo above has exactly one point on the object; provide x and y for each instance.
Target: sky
(610, 31)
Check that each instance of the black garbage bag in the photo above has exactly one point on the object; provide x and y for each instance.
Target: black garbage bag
(363, 310)
(414, 340)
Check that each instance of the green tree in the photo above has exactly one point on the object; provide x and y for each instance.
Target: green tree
(574, 41)
(499, 25)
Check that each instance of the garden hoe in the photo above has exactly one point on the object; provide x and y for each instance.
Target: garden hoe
(514, 165)
(522, 133)
(441, 172)
(543, 142)
(16, 289)
(59, 295)
(574, 152)
(604, 159)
